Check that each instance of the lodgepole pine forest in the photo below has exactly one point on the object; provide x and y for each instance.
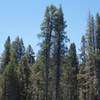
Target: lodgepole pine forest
(58, 72)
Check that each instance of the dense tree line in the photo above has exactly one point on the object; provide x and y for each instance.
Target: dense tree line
(57, 72)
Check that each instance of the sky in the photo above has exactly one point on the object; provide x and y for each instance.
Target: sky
(23, 18)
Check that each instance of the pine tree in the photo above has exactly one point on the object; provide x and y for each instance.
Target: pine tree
(46, 29)
(24, 79)
(73, 82)
(30, 55)
(98, 54)
(5, 60)
(90, 64)
(18, 46)
(59, 46)
(6, 54)
(11, 86)
(90, 35)
(87, 67)
(82, 71)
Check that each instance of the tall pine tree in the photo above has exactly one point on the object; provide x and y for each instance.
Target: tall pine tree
(73, 82)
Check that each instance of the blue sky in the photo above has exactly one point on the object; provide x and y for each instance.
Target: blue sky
(23, 18)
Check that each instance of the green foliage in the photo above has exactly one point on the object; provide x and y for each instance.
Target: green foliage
(6, 54)
(56, 73)
(30, 55)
